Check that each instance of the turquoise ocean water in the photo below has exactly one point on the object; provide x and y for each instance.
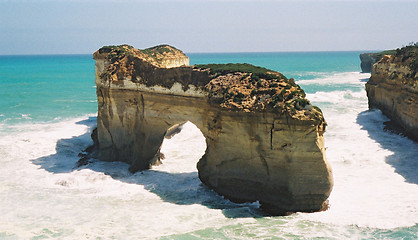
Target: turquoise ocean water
(47, 111)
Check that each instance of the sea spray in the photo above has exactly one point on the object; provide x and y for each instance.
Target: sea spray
(43, 194)
(368, 192)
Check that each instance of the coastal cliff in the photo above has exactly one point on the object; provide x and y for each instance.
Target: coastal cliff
(369, 59)
(264, 139)
(393, 88)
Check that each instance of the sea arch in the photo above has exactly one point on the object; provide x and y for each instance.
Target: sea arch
(264, 139)
(249, 157)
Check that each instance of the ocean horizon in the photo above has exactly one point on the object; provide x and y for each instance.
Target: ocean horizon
(48, 109)
(208, 53)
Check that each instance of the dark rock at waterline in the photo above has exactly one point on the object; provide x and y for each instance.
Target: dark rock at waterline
(264, 139)
(90, 151)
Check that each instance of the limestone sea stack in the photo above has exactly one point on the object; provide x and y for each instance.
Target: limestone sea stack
(264, 138)
(393, 88)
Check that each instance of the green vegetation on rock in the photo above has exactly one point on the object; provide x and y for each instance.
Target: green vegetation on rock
(379, 55)
(152, 54)
(160, 49)
(252, 88)
(234, 86)
(117, 50)
(255, 71)
(409, 52)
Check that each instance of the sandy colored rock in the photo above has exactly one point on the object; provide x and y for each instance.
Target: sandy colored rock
(264, 139)
(369, 59)
(393, 88)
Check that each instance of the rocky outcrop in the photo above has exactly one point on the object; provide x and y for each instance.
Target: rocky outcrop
(393, 88)
(369, 59)
(264, 139)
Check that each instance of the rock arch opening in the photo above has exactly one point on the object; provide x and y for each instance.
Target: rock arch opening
(264, 140)
(183, 146)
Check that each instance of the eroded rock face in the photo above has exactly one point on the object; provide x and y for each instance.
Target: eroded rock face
(367, 61)
(393, 88)
(264, 139)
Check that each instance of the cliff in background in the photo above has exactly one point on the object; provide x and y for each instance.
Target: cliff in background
(264, 139)
(393, 88)
(369, 59)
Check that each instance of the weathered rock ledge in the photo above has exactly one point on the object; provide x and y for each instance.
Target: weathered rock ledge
(264, 139)
(393, 88)
(369, 59)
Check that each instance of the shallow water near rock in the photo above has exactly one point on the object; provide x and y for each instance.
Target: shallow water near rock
(48, 109)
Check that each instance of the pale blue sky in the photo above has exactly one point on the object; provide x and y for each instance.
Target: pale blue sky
(78, 27)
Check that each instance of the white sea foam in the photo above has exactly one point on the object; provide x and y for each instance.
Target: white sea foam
(182, 150)
(368, 192)
(26, 116)
(338, 78)
(48, 196)
(372, 188)
(346, 98)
